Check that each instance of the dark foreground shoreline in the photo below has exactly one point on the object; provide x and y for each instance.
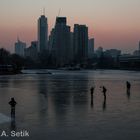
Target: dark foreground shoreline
(48, 72)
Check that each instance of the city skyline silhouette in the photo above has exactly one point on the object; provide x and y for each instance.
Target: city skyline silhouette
(114, 24)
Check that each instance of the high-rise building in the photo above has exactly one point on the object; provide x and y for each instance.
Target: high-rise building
(42, 34)
(20, 48)
(80, 41)
(51, 40)
(60, 41)
(139, 45)
(90, 48)
(71, 47)
(32, 50)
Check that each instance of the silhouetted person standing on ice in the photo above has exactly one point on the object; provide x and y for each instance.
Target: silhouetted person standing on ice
(104, 104)
(104, 92)
(91, 92)
(13, 105)
(128, 85)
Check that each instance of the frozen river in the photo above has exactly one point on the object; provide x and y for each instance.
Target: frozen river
(58, 106)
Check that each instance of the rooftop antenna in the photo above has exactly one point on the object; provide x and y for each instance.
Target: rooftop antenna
(18, 38)
(59, 12)
(44, 11)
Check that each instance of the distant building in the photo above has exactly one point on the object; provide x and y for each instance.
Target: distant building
(137, 52)
(71, 47)
(130, 62)
(90, 48)
(99, 51)
(20, 48)
(51, 40)
(42, 33)
(139, 45)
(32, 50)
(80, 41)
(60, 42)
(113, 53)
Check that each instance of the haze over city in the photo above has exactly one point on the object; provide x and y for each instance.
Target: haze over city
(113, 24)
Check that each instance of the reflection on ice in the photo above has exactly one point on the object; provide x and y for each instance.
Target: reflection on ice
(64, 106)
(4, 118)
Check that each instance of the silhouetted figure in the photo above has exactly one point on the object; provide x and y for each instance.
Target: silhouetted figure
(128, 94)
(91, 103)
(128, 85)
(91, 92)
(13, 105)
(104, 104)
(13, 123)
(104, 92)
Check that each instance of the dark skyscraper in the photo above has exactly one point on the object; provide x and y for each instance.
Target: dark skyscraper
(80, 43)
(90, 47)
(32, 50)
(139, 45)
(61, 42)
(42, 33)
